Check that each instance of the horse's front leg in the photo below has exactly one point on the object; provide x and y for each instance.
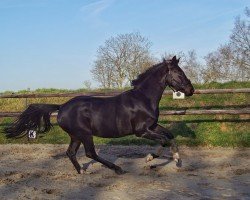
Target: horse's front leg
(173, 146)
(163, 136)
(152, 135)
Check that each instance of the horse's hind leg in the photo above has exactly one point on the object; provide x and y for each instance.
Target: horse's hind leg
(91, 153)
(71, 153)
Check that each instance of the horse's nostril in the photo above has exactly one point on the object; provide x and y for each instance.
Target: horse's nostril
(191, 91)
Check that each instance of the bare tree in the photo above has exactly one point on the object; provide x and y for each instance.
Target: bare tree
(212, 71)
(192, 66)
(121, 59)
(102, 73)
(219, 65)
(87, 85)
(231, 61)
(240, 43)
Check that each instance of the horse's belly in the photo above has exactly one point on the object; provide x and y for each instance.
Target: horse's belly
(108, 134)
(110, 120)
(113, 130)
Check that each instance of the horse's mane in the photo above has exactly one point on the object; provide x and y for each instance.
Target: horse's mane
(141, 77)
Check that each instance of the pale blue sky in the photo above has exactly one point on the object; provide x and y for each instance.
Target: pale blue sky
(53, 43)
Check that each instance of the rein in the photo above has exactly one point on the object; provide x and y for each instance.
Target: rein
(171, 81)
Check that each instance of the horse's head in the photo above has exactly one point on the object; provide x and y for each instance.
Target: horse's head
(176, 78)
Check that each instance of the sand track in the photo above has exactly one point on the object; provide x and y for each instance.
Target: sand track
(41, 171)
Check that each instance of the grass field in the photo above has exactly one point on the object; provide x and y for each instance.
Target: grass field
(193, 130)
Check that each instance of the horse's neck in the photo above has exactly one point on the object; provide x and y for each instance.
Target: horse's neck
(153, 90)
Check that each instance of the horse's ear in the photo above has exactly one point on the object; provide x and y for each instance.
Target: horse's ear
(178, 60)
(174, 59)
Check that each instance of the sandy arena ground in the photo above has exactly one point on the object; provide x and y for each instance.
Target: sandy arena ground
(41, 171)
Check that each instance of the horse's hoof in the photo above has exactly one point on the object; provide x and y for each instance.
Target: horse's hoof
(119, 171)
(179, 163)
(80, 171)
(152, 166)
(149, 158)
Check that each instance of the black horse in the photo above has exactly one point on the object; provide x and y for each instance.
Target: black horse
(135, 111)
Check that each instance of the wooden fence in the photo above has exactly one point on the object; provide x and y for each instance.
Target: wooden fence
(164, 112)
(112, 93)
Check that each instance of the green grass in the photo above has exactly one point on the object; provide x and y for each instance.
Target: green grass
(193, 130)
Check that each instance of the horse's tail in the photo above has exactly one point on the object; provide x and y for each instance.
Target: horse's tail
(35, 117)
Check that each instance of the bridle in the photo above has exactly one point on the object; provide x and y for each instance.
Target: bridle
(171, 80)
(180, 85)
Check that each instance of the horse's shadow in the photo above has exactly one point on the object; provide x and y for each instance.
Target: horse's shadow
(182, 129)
(102, 152)
(122, 152)
(177, 128)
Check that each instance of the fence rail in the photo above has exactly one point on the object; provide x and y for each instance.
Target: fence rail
(168, 112)
(112, 93)
(206, 112)
(162, 113)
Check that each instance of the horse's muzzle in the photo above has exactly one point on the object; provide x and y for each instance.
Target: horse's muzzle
(189, 92)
